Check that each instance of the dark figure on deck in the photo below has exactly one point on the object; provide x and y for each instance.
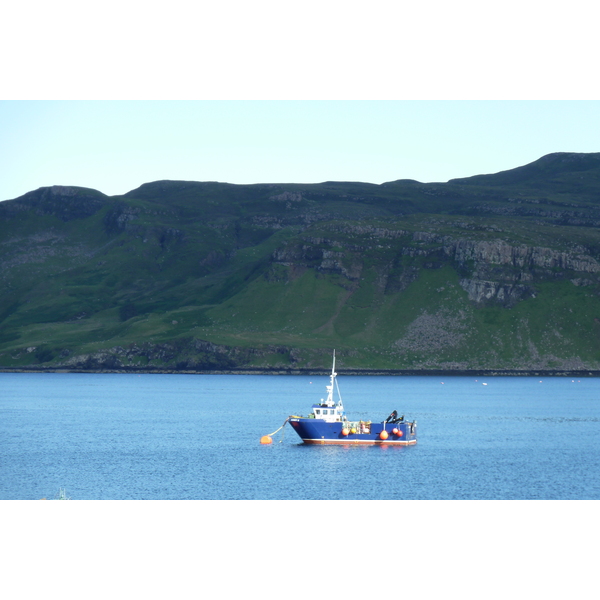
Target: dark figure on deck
(391, 418)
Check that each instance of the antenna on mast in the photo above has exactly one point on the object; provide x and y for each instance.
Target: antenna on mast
(333, 367)
(331, 384)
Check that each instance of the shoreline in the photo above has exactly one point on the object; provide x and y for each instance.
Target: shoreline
(317, 371)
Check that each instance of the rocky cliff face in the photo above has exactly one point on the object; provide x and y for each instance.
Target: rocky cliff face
(499, 269)
(492, 270)
(498, 252)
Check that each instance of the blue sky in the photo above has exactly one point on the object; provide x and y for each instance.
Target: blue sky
(266, 92)
(115, 146)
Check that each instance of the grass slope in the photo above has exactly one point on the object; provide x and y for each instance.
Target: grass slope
(185, 274)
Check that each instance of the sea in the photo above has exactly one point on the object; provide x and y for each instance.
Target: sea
(197, 437)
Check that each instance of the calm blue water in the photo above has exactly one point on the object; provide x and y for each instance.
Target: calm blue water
(118, 437)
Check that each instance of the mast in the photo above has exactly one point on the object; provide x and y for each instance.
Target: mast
(330, 401)
(333, 373)
(329, 387)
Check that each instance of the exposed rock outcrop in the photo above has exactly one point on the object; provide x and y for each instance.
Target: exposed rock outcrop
(182, 354)
(492, 270)
(480, 291)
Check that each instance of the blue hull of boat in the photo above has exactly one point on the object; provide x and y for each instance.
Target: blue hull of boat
(318, 431)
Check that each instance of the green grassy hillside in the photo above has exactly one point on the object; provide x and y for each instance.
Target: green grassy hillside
(490, 272)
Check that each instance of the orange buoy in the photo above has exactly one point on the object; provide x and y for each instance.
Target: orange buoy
(345, 431)
(400, 433)
(265, 439)
(395, 431)
(383, 435)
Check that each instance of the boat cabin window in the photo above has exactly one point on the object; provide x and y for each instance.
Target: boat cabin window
(328, 413)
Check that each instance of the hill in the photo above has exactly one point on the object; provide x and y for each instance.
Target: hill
(491, 272)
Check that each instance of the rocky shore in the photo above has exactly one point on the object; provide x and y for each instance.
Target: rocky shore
(316, 372)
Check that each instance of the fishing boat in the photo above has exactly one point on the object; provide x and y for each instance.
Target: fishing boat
(328, 424)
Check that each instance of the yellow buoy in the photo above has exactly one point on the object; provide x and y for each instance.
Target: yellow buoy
(265, 439)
